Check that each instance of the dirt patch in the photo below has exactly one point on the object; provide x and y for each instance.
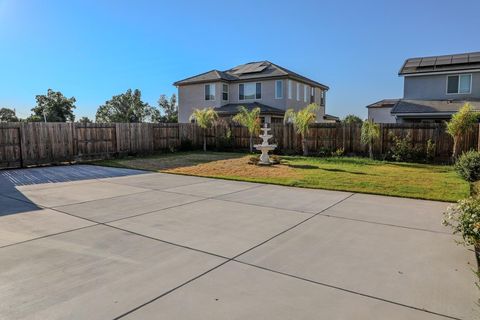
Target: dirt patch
(238, 168)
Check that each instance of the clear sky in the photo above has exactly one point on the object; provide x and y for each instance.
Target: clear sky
(95, 49)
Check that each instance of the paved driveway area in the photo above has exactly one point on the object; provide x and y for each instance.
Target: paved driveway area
(86, 242)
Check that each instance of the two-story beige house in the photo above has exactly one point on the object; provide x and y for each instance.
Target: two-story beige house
(434, 88)
(266, 85)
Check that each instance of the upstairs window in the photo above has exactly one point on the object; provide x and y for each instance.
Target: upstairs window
(322, 98)
(209, 92)
(305, 90)
(249, 91)
(298, 91)
(289, 89)
(312, 95)
(279, 89)
(459, 84)
(225, 91)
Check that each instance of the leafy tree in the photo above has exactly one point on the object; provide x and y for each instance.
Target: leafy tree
(84, 120)
(126, 107)
(352, 119)
(462, 122)
(370, 132)
(169, 108)
(249, 119)
(205, 118)
(53, 107)
(8, 115)
(301, 121)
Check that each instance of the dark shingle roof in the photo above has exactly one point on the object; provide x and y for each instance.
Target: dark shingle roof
(249, 71)
(454, 62)
(385, 103)
(232, 108)
(432, 106)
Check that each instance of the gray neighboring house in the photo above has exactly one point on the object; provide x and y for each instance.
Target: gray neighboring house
(434, 89)
(263, 84)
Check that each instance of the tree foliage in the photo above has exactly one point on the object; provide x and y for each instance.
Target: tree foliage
(84, 120)
(205, 118)
(126, 107)
(53, 107)
(301, 121)
(8, 115)
(370, 132)
(352, 119)
(169, 109)
(462, 122)
(249, 119)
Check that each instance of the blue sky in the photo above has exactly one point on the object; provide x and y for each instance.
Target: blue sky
(95, 49)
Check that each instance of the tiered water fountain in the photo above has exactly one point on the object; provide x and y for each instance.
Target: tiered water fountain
(265, 147)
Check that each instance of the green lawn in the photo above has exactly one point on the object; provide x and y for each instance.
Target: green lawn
(423, 181)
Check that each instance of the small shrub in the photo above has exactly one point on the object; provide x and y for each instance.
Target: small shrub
(338, 153)
(324, 152)
(225, 142)
(430, 150)
(403, 149)
(468, 166)
(254, 160)
(464, 219)
(186, 145)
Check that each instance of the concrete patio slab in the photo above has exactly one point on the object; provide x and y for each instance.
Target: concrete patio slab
(157, 181)
(289, 198)
(410, 213)
(213, 188)
(219, 227)
(110, 209)
(29, 225)
(93, 273)
(236, 291)
(75, 193)
(10, 206)
(423, 269)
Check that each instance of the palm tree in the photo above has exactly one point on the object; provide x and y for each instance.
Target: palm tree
(461, 123)
(301, 120)
(205, 118)
(249, 119)
(370, 132)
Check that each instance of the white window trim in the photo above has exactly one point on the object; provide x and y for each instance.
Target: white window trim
(289, 89)
(298, 91)
(227, 92)
(214, 89)
(276, 91)
(305, 90)
(255, 83)
(458, 88)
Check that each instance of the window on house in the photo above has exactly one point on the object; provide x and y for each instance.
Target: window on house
(225, 92)
(279, 89)
(312, 95)
(298, 91)
(250, 91)
(209, 92)
(305, 90)
(289, 89)
(322, 98)
(459, 84)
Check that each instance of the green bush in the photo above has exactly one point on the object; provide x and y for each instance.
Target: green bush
(403, 149)
(430, 150)
(340, 152)
(468, 166)
(464, 218)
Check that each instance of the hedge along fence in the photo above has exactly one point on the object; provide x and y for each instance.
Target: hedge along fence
(30, 144)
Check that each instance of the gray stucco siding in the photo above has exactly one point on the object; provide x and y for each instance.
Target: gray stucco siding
(434, 87)
(381, 115)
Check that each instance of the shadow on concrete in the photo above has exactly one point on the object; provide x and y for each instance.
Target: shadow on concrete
(12, 200)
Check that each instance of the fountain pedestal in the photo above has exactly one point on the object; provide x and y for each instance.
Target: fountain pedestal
(265, 146)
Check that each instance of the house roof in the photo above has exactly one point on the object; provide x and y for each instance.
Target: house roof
(249, 71)
(330, 117)
(453, 62)
(232, 108)
(385, 103)
(432, 106)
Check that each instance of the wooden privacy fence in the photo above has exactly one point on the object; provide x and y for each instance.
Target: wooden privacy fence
(30, 144)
